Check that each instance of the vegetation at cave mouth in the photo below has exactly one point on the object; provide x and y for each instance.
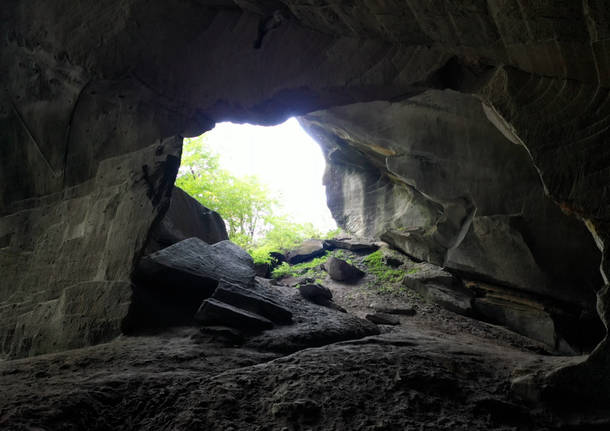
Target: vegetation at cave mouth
(251, 211)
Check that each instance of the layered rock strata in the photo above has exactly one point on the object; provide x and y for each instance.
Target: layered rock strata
(90, 86)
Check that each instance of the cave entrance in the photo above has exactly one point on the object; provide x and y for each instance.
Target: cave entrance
(265, 182)
(464, 217)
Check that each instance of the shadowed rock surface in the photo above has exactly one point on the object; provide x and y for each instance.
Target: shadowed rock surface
(440, 287)
(306, 251)
(470, 135)
(340, 270)
(186, 218)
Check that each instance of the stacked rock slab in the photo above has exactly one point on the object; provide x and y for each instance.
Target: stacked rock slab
(213, 284)
(248, 308)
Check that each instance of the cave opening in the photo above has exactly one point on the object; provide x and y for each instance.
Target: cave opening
(451, 195)
(265, 181)
(97, 97)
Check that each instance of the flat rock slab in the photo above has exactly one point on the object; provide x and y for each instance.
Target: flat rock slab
(313, 325)
(308, 250)
(193, 260)
(383, 319)
(353, 244)
(340, 270)
(254, 300)
(525, 314)
(214, 312)
(440, 287)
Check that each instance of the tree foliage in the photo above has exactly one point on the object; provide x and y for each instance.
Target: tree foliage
(250, 210)
(243, 202)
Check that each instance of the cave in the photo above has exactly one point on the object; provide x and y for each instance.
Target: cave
(471, 137)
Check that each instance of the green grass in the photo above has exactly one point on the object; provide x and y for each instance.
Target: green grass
(342, 254)
(376, 266)
(307, 269)
(388, 279)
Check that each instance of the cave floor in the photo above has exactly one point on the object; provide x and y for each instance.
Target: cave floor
(437, 370)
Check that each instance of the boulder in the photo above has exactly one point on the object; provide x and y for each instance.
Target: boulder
(320, 295)
(353, 244)
(392, 257)
(186, 218)
(340, 270)
(383, 319)
(440, 287)
(313, 325)
(253, 299)
(170, 284)
(308, 250)
(217, 313)
(312, 292)
(196, 263)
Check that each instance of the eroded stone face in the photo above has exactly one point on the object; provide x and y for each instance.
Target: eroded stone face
(437, 180)
(67, 264)
(88, 87)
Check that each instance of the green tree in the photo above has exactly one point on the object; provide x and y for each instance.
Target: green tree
(249, 208)
(244, 203)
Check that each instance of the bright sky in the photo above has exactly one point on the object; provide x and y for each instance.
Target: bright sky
(285, 158)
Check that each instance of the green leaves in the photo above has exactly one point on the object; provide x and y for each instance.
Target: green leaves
(248, 206)
(243, 202)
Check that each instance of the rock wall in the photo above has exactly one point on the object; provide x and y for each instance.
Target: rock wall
(434, 177)
(96, 98)
(93, 85)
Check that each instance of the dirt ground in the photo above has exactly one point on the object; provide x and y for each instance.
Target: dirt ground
(436, 370)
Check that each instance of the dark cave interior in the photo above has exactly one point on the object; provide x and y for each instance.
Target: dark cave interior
(470, 139)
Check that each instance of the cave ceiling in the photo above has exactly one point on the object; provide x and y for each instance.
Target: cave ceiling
(97, 95)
